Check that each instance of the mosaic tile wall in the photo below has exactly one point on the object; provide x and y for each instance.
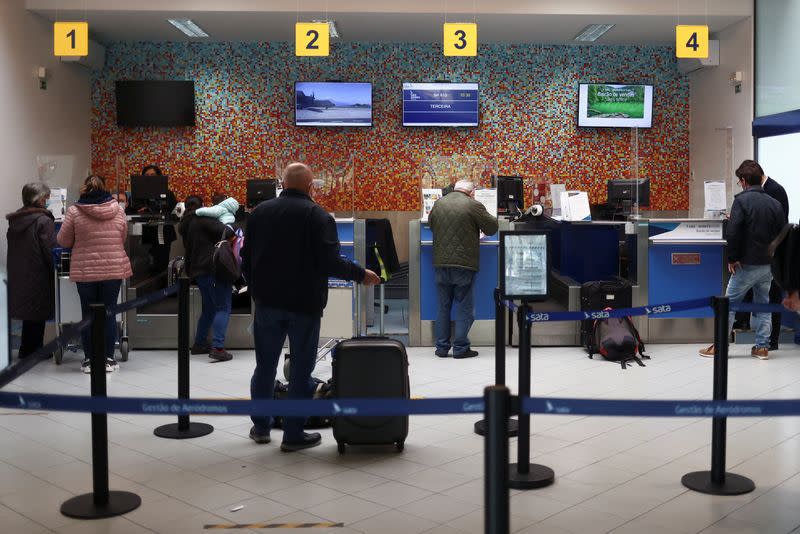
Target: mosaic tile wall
(245, 119)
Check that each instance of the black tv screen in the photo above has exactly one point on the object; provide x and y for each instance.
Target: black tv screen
(155, 103)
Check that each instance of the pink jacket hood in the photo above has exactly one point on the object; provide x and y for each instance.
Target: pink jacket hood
(100, 212)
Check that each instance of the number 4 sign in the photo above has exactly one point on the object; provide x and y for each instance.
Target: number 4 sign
(460, 39)
(691, 41)
(71, 38)
(311, 39)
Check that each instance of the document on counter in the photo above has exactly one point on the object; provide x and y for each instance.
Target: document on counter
(429, 198)
(716, 198)
(57, 203)
(555, 196)
(488, 197)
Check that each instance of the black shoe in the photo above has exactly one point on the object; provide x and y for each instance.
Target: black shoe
(199, 349)
(220, 355)
(773, 345)
(308, 441)
(442, 353)
(261, 439)
(468, 354)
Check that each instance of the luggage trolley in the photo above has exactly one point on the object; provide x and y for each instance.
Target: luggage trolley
(62, 259)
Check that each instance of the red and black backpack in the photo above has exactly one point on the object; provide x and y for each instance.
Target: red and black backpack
(617, 340)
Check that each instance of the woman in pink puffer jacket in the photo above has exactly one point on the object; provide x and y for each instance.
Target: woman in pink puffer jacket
(95, 229)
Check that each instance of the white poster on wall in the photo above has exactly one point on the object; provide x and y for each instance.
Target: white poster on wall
(488, 197)
(716, 198)
(429, 198)
(57, 203)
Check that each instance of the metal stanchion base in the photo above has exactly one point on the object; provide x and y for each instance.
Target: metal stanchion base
(83, 506)
(172, 431)
(513, 427)
(538, 476)
(733, 484)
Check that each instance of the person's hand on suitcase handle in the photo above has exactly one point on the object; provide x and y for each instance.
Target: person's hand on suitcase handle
(370, 278)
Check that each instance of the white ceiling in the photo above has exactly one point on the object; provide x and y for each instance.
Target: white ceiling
(515, 21)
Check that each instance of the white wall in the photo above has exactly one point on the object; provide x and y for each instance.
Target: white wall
(721, 120)
(32, 121)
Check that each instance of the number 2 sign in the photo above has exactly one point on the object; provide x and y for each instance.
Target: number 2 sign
(71, 38)
(311, 39)
(691, 41)
(460, 39)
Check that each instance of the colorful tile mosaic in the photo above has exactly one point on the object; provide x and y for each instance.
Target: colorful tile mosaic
(245, 119)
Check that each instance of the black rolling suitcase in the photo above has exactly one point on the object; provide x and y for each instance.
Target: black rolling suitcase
(600, 295)
(370, 368)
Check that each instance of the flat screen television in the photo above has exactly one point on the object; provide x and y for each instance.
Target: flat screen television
(155, 103)
(606, 105)
(440, 104)
(333, 104)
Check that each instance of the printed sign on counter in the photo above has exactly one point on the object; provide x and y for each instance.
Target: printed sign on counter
(429, 198)
(692, 231)
(488, 197)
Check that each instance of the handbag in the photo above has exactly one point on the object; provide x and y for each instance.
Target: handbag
(224, 264)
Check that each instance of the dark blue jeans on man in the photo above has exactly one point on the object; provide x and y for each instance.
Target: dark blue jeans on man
(104, 292)
(216, 296)
(270, 330)
(454, 287)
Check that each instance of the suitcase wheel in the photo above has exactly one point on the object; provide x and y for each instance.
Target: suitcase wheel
(340, 445)
(400, 445)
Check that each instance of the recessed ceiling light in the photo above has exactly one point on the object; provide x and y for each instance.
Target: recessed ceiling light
(593, 32)
(188, 27)
(333, 31)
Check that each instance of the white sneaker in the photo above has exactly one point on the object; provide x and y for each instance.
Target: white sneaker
(111, 365)
(86, 366)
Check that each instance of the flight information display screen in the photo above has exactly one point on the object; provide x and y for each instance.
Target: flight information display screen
(440, 104)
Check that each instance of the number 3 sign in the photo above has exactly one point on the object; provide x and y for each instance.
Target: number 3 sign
(311, 39)
(71, 39)
(460, 39)
(691, 41)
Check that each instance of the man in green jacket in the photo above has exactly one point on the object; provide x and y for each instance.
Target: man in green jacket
(457, 221)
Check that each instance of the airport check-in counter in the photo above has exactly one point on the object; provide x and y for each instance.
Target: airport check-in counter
(679, 259)
(156, 326)
(423, 297)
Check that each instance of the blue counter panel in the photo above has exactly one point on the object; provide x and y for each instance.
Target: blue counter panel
(485, 284)
(589, 251)
(346, 231)
(672, 283)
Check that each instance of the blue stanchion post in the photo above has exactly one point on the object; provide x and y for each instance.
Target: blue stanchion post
(184, 429)
(718, 481)
(101, 502)
(524, 474)
(497, 402)
(499, 360)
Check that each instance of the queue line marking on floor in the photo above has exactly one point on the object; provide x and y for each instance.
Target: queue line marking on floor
(274, 525)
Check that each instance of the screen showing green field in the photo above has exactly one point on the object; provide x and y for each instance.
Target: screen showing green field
(610, 105)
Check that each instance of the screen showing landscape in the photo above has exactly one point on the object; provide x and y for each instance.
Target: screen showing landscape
(440, 104)
(611, 105)
(333, 104)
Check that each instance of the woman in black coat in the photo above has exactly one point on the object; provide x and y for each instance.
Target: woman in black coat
(31, 284)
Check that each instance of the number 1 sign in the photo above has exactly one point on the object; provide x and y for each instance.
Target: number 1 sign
(71, 38)
(691, 41)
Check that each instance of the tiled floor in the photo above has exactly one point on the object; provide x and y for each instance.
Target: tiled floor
(613, 474)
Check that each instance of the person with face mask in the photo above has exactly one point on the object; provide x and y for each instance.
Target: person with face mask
(31, 282)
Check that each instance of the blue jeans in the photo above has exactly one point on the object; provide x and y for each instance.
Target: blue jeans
(105, 292)
(216, 310)
(269, 331)
(454, 286)
(758, 278)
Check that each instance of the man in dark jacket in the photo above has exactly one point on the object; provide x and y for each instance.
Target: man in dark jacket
(457, 221)
(756, 220)
(31, 278)
(290, 250)
(200, 234)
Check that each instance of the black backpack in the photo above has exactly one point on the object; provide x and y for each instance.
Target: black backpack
(224, 265)
(617, 340)
(322, 390)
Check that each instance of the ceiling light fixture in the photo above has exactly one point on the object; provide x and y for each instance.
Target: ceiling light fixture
(593, 32)
(188, 27)
(333, 31)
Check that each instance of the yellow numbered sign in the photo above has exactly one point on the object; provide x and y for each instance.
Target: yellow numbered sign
(691, 41)
(460, 39)
(71, 38)
(311, 39)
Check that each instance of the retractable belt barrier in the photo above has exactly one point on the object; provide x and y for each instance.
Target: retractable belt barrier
(150, 298)
(395, 407)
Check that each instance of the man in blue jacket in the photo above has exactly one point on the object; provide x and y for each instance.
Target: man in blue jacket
(756, 219)
(291, 248)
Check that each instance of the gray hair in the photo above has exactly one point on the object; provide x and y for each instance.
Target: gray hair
(33, 193)
(464, 185)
